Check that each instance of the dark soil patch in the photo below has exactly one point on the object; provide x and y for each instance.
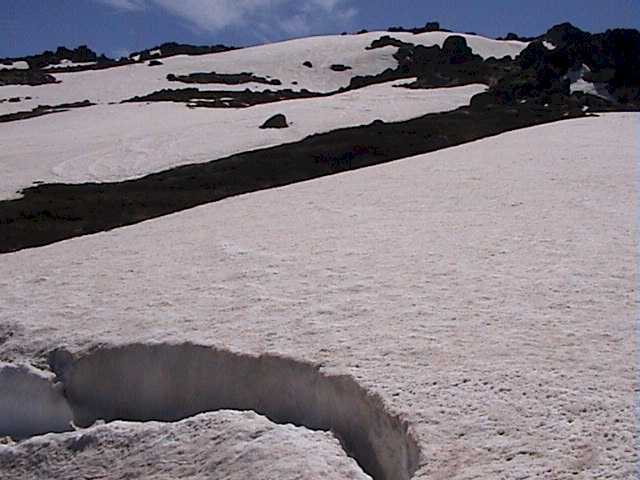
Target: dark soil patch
(53, 212)
(41, 110)
(223, 98)
(224, 78)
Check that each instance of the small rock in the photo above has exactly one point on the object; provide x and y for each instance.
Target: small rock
(277, 121)
(81, 443)
(339, 67)
(155, 63)
(308, 64)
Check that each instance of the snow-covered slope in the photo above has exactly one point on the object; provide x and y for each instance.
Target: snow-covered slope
(118, 142)
(487, 292)
(282, 61)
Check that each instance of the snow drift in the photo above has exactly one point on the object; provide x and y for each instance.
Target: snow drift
(171, 382)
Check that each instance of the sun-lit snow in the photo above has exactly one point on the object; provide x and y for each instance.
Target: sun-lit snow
(579, 84)
(21, 65)
(486, 292)
(117, 142)
(282, 61)
(68, 63)
(599, 90)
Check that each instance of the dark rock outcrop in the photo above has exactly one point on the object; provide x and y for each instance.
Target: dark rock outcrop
(337, 67)
(172, 48)
(84, 54)
(428, 27)
(539, 73)
(514, 36)
(387, 41)
(452, 65)
(53, 60)
(41, 110)
(277, 121)
(155, 63)
(611, 59)
(25, 77)
(81, 54)
(224, 78)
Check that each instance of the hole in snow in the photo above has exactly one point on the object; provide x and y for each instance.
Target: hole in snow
(172, 382)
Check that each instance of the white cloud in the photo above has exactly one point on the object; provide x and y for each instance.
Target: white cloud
(291, 17)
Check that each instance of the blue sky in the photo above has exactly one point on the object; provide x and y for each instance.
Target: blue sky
(117, 27)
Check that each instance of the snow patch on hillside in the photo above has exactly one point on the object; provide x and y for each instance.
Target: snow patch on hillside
(118, 142)
(282, 61)
(21, 65)
(64, 63)
(579, 84)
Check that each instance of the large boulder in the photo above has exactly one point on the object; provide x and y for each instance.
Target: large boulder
(277, 121)
(456, 50)
(338, 67)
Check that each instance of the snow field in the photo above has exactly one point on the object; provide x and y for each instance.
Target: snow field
(282, 61)
(485, 292)
(107, 143)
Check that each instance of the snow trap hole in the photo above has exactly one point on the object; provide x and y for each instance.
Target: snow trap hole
(172, 382)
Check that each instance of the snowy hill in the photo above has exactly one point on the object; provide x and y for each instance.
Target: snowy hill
(424, 269)
(282, 61)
